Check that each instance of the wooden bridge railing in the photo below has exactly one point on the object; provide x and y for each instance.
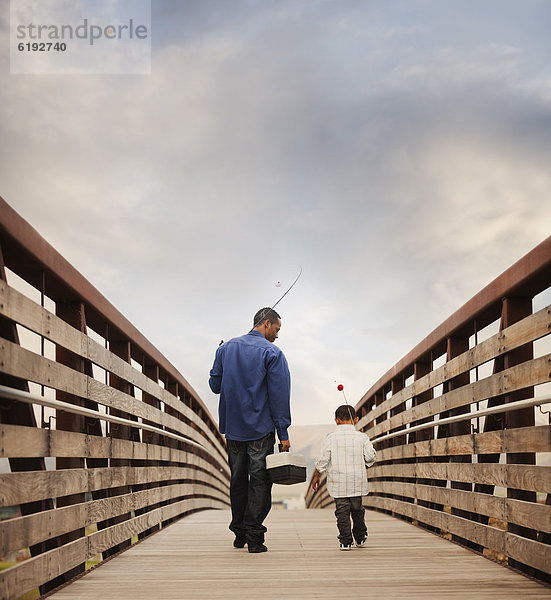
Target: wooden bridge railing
(459, 448)
(102, 441)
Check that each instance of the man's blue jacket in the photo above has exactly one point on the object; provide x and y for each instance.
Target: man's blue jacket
(252, 377)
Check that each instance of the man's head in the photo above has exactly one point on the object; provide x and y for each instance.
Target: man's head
(268, 322)
(345, 415)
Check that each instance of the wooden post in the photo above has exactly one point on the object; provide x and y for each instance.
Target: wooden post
(515, 309)
(455, 347)
(172, 387)
(19, 413)
(380, 398)
(421, 368)
(72, 313)
(397, 385)
(124, 432)
(150, 370)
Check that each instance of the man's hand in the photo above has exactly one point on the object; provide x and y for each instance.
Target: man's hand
(285, 445)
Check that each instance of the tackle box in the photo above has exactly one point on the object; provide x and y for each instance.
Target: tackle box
(286, 468)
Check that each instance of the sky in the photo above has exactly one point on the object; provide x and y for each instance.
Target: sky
(398, 152)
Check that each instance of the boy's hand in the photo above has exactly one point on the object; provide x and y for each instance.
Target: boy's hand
(285, 445)
(315, 480)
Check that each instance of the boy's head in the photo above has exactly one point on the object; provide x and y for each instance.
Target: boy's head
(345, 415)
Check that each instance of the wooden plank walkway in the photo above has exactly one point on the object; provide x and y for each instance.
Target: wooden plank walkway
(194, 559)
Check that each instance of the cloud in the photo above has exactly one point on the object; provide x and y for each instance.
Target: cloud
(400, 156)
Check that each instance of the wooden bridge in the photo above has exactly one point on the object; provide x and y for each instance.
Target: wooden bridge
(103, 443)
(194, 558)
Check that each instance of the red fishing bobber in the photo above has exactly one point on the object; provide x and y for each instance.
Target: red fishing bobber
(340, 387)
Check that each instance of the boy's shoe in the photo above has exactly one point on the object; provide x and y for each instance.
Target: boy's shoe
(239, 541)
(257, 548)
(346, 546)
(361, 543)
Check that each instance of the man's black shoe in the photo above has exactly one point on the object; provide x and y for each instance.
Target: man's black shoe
(256, 548)
(239, 542)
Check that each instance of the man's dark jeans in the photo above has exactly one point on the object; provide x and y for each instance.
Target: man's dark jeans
(346, 508)
(250, 487)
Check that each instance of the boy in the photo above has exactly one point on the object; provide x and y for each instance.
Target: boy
(345, 454)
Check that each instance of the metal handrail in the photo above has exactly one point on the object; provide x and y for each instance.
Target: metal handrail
(476, 413)
(14, 394)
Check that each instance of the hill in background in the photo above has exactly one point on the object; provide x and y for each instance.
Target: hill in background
(306, 440)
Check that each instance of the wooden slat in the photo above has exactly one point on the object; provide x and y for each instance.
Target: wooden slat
(527, 330)
(106, 538)
(28, 441)
(526, 374)
(522, 477)
(17, 441)
(21, 532)
(21, 309)
(478, 503)
(527, 514)
(21, 578)
(17, 488)
(23, 363)
(529, 552)
(25, 576)
(533, 439)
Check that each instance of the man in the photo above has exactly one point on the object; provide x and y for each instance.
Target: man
(252, 377)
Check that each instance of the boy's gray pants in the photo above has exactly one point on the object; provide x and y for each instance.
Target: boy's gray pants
(346, 508)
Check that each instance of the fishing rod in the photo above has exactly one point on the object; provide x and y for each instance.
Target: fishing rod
(340, 387)
(266, 311)
(289, 289)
